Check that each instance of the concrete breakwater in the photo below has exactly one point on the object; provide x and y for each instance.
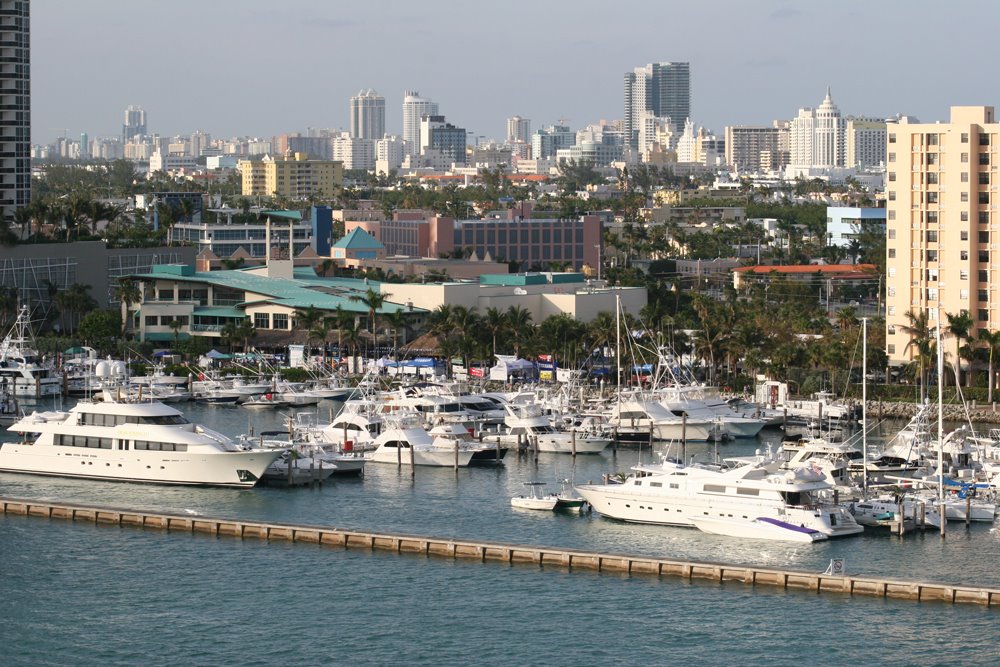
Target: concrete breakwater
(977, 414)
(485, 552)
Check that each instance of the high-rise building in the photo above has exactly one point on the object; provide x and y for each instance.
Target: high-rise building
(135, 124)
(294, 176)
(545, 142)
(865, 139)
(817, 136)
(518, 130)
(663, 89)
(757, 148)
(15, 123)
(942, 226)
(414, 108)
(441, 136)
(368, 115)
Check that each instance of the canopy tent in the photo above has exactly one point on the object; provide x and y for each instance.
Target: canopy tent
(215, 354)
(161, 354)
(508, 366)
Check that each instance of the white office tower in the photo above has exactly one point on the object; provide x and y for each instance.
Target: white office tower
(414, 107)
(134, 127)
(817, 136)
(518, 130)
(368, 115)
(687, 144)
(389, 153)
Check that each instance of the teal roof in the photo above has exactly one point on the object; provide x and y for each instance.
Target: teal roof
(304, 290)
(287, 215)
(515, 279)
(161, 336)
(359, 239)
(219, 311)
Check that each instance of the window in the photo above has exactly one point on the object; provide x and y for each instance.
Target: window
(963, 255)
(965, 137)
(984, 139)
(166, 294)
(891, 215)
(984, 197)
(932, 217)
(892, 310)
(932, 197)
(932, 140)
(890, 348)
(932, 275)
(982, 295)
(892, 253)
(984, 315)
(891, 157)
(965, 157)
(892, 195)
(932, 178)
(984, 159)
(892, 232)
(984, 237)
(932, 294)
(892, 291)
(963, 274)
(984, 256)
(280, 321)
(932, 158)
(965, 196)
(932, 236)
(152, 320)
(892, 329)
(984, 218)
(892, 138)
(964, 215)
(262, 320)
(982, 275)
(984, 178)
(963, 294)
(892, 176)
(932, 255)
(965, 177)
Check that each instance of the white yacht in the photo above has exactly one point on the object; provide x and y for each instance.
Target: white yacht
(528, 421)
(674, 494)
(634, 419)
(405, 441)
(22, 371)
(131, 441)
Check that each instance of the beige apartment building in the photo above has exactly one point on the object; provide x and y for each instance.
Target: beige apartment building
(942, 224)
(294, 176)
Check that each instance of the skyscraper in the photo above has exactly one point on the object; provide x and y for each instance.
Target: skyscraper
(368, 115)
(518, 130)
(414, 107)
(15, 124)
(817, 136)
(664, 89)
(135, 123)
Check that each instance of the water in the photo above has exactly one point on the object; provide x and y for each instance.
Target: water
(108, 595)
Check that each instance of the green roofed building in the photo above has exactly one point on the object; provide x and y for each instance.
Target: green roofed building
(357, 245)
(204, 302)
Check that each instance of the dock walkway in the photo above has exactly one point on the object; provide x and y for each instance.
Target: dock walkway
(544, 557)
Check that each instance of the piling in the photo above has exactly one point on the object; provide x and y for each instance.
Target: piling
(573, 432)
(498, 450)
(968, 509)
(544, 558)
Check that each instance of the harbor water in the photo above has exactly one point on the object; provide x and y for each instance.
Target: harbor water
(97, 594)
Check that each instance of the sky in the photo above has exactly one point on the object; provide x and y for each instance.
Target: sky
(265, 67)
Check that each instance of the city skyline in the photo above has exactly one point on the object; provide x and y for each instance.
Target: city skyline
(750, 62)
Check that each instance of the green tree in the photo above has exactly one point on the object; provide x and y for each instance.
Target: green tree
(960, 326)
(992, 341)
(373, 300)
(100, 329)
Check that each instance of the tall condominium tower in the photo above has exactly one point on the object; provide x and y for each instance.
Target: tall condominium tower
(15, 124)
(664, 89)
(414, 107)
(818, 136)
(518, 130)
(942, 226)
(367, 115)
(135, 124)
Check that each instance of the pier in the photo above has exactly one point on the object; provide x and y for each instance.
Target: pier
(543, 557)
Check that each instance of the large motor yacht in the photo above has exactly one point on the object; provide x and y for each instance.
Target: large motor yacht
(135, 441)
(674, 494)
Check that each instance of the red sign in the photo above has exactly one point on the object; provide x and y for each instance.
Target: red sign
(476, 372)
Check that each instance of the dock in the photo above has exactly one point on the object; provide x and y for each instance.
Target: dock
(542, 557)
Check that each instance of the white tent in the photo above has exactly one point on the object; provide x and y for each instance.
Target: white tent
(509, 365)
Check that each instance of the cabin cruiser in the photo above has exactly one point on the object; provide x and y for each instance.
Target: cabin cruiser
(456, 435)
(527, 422)
(831, 459)
(704, 403)
(404, 441)
(131, 440)
(672, 493)
(22, 370)
(637, 420)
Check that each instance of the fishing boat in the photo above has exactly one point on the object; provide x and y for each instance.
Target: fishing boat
(133, 441)
(22, 370)
(535, 498)
(568, 499)
(263, 402)
(405, 441)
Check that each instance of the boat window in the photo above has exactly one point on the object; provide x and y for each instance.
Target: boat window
(740, 491)
(82, 441)
(638, 482)
(792, 497)
(656, 483)
(147, 445)
(674, 486)
(714, 488)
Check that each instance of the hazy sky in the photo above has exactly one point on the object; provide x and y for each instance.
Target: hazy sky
(263, 67)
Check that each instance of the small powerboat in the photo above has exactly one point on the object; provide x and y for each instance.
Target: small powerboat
(535, 498)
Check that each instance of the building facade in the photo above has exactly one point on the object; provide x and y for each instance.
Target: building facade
(844, 223)
(15, 94)
(415, 108)
(942, 224)
(663, 89)
(751, 149)
(518, 130)
(367, 115)
(865, 139)
(293, 177)
(134, 127)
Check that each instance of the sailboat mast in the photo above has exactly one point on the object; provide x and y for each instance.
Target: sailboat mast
(864, 406)
(940, 367)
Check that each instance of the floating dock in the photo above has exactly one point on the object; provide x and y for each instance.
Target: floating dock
(544, 557)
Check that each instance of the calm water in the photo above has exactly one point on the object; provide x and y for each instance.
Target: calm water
(106, 595)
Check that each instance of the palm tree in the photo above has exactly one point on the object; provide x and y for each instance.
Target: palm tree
(494, 322)
(920, 337)
(373, 300)
(959, 326)
(521, 327)
(992, 340)
(129, 293)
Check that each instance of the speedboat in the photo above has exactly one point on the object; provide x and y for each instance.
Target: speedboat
(134, 441)
(535, 499)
